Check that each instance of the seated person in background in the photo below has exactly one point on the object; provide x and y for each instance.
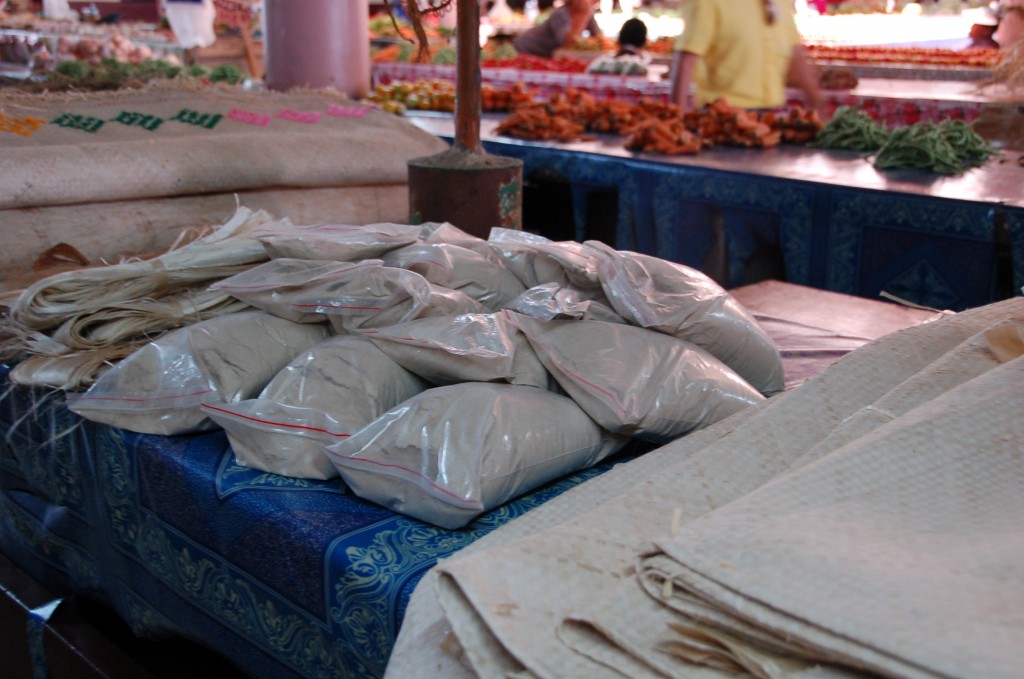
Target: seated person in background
(632, 38)
(564, 25)
(741, 50)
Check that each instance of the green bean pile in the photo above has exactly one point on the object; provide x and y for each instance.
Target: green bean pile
(947, 148)
(970, 146)
(851, 129)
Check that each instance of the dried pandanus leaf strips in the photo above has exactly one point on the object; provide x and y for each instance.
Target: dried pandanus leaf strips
(71, 326)
(225, 252)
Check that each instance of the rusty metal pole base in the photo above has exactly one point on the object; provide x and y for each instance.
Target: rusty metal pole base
(473, 190)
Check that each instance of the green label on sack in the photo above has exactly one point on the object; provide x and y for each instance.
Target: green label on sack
(207, 120)
(135, 119)
(78, 122)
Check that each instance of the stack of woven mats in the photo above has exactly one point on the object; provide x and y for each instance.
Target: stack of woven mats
(867, 523)
(113, 173)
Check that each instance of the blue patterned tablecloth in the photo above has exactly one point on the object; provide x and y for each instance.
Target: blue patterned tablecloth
(284, 577)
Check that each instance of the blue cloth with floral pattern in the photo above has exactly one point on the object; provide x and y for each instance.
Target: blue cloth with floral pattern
(284, 577)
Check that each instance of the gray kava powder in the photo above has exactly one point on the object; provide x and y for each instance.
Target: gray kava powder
(159, 388)
(380, 297)
(482, 277)
(637, 382)
(273, 286)
(465, 348)
(683, 302)
(338, 242)
(324, 395)
(454, 452)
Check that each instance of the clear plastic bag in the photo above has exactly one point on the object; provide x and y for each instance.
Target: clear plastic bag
(683, 302)
(540, 260)
(637, 382)
(485, 279)
(465, 348)
(454, 452)
(338, 242)
(274, 285)
(326, 394)
(550, 301)
(380, 297)
(159, 388)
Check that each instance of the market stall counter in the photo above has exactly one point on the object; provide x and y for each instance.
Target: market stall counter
(841, 224)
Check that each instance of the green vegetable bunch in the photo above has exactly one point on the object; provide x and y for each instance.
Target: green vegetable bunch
(113, 74)
(949, 147)
(851, 129)
(228, 73)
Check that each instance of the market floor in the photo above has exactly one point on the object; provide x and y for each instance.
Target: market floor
(82, 639)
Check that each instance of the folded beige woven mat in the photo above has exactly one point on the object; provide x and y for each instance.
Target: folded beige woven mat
(173, 140)
(866, 522)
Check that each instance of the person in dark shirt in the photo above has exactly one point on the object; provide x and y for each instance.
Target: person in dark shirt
(564, 25)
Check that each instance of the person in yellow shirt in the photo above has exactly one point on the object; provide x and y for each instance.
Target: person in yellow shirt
(743, 50)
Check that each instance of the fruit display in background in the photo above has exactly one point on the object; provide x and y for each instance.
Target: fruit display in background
(983, 57)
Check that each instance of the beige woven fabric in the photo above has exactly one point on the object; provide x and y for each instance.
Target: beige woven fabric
(172, 141)
(514, 601)
(900, 552)
(147, 226)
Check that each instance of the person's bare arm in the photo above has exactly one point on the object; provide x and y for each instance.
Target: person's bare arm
(683, 64)
(804, 76)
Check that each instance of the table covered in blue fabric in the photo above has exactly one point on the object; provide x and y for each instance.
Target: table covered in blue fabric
(283, 577)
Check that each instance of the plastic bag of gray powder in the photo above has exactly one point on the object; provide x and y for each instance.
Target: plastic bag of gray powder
(274, 285)
(338, 242)
(537, 260)
(446, 232)
(520, 252)
(451, 453)
(465, 348)
(324, 395)
(485, 279)
(683, 302)
(550, 300)
(159, 388)
(637, 382)
(380, 297)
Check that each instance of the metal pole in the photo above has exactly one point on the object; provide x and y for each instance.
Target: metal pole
(467, 76)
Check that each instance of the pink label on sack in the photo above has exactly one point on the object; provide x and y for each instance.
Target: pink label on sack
(249, 117)
(347, 111)
(26, 126)
(299, 116)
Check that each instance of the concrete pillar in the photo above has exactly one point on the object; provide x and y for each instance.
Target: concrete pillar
(317, 43)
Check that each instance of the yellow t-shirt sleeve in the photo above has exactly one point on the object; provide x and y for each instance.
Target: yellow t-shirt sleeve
(699, 19)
